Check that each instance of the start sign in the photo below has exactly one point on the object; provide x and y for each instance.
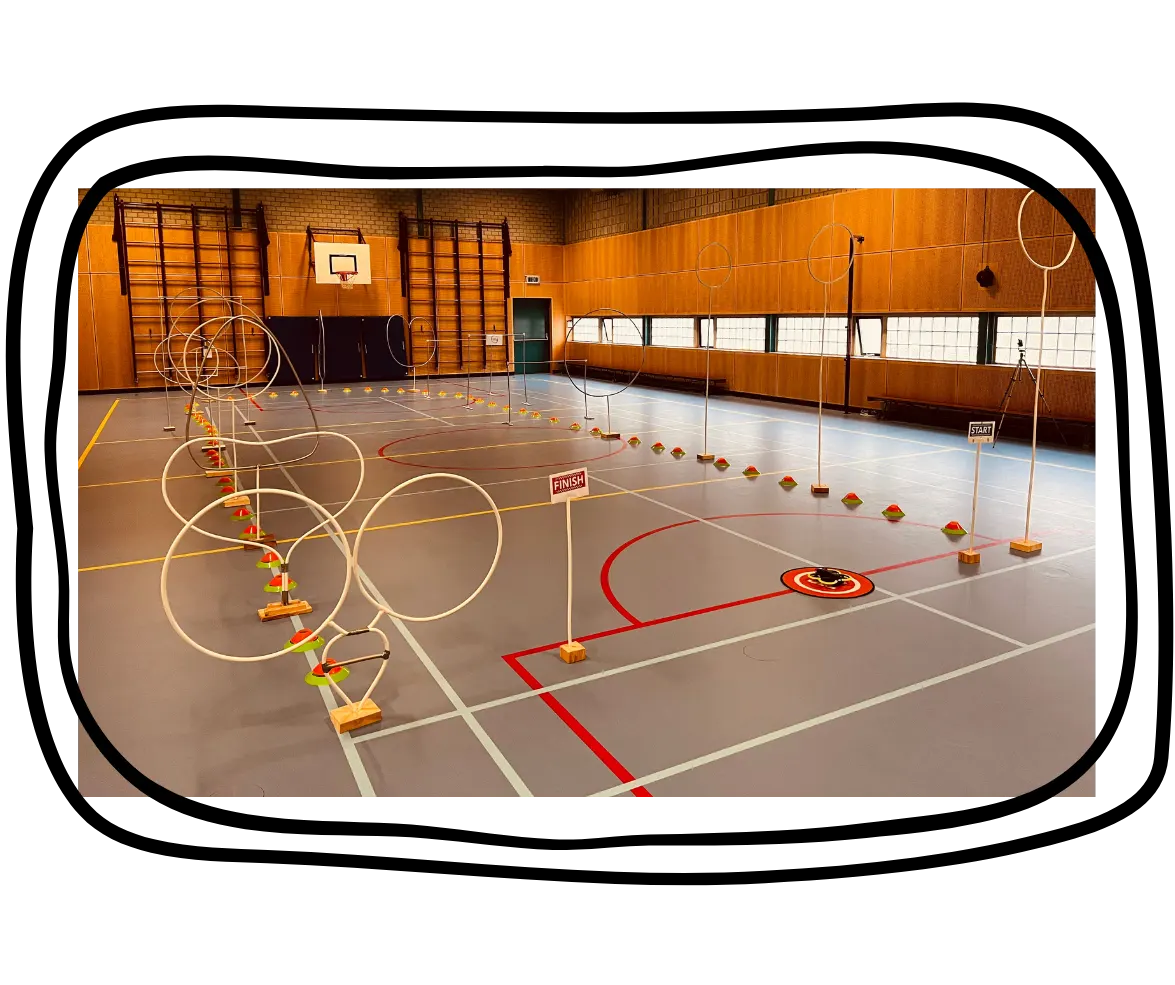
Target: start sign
(495, 338)
(981, 432)
(569, 485)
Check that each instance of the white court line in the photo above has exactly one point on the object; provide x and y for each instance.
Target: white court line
(831, 716)
(809, 561)
(475, 726)
(728, 641)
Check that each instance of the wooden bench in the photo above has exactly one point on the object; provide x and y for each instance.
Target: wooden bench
(691, 383)
(959, 414)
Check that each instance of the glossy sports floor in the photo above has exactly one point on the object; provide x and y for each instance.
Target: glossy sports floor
(704, 675)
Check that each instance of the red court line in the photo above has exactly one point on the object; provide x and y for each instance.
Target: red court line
(252, 401)
(595, 745)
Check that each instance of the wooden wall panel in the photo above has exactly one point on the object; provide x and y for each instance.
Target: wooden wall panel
(674, 248)
(756, 289)
(716, 229)
(932, 382)
(798, 224)
(927, 280)
(303, 297)
(758, 235)
(752, 372)
(1003, 204)
(866, 380)
(1071, 288)
(868, 212)
(292, 258)
(797, 377)
(1083, 199)
(798, 292)
(928, 217)
(871, 283)
(101, 250)
(113, 333)
(1018, 284)
(683, 294)
(87, 344)
(650, 295)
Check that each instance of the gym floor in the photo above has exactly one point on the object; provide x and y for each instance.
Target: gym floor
(704, 675)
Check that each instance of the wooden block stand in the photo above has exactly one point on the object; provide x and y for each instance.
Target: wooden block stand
(705, 458)
(572, 652)
(276, 610)
(1025, 547)
(355, 716)
(968, 557)
(819, 490)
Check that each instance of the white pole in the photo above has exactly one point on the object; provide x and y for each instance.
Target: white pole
(820, 392)
(974, 497)
(1036, 404)
(569, 637)
(710, 344)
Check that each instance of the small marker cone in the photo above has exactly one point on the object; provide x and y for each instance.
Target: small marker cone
(425, 391)
(852, 499)
(225, 490)
(658, 447)
(787, 482)
(225, 480)
(242, 514)
(721, 463)
(677, 453)
(367, 389)
(317, 677)
(954, 529)
(272, 396)
(893, 512)
(269, 560)
(459, 396)
(751, 472)
(523, 410)
(303, 641)
(535, 415)
(493, 403)
(251, 532)
(634, 441)
(293, 393)
(399, 389)
(346, 389)
(595, 430)
(275, 585)
(577, 426)
(553, 420)
(480, 400)
(384, 389)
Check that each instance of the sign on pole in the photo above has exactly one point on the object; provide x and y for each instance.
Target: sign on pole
(981, 432)
(569, 485)
(495, 338)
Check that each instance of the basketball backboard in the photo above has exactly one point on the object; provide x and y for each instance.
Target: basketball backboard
(332, 258)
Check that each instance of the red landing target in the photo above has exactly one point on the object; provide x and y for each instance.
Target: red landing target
(827, 583)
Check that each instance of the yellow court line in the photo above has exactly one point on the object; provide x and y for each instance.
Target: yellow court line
(82, 459)
(433, 519)
(336, 461)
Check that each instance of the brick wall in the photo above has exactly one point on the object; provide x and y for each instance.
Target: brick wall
(592, 214)
(535, 215)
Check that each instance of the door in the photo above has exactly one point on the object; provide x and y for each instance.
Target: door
(532, 336)
(298, 337)
(343, 352)
(381, 339)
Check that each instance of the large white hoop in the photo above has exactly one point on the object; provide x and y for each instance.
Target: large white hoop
(698, 266)
(388, 495)
(848, 266)
(1020, 236)
(289, 648)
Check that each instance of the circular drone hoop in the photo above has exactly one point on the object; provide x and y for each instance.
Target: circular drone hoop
(612, 313)
(1020, 236)
(388, 495)
(698, 266)
(407, 336)
(848, 266)
(189, 524)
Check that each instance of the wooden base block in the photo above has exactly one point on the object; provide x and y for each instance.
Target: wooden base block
(705, 458)
(572, 652)
(1025, 546)
(968, 557)
(235, 502)
(217, 473)
(356, 716)
(819, 490)
(170, 427)
(610, 435)
(269, 540)
(275, 610)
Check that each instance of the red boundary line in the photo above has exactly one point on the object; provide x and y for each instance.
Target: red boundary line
(252, 401)
(619, 770)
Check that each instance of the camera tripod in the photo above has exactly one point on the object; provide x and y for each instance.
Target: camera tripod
(1018, 372)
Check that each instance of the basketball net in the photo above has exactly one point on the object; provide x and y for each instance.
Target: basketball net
(345, 279)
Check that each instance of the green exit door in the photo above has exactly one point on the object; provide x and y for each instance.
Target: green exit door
(532, 345)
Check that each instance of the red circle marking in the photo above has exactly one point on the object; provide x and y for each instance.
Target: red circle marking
(621, 446)
(800, 580)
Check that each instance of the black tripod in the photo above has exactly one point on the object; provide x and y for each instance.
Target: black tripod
(1018, 372)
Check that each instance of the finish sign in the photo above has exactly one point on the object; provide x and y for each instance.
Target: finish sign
(569, 485)
(981, 432)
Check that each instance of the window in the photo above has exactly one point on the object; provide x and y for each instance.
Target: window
(583, 329)
(937, 338)
(677, 332)
(623, 331)
(1068, 340)
(749, 334)
(803, 335)
(868, 337)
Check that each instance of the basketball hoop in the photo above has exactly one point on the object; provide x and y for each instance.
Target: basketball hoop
(345, 279)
